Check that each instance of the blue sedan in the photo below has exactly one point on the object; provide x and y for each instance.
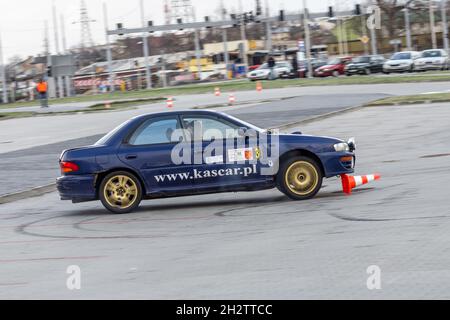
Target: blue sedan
(198, 152)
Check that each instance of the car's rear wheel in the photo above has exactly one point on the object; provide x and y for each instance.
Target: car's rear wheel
(367, 72)
(336, 74)
(300, 178)
(120, 192)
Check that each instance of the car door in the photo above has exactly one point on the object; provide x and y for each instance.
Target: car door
(215, 148)
(148, 150)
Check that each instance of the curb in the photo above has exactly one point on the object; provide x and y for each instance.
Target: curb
(21, 195)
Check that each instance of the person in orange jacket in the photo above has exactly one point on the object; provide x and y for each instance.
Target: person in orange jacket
(42, 89)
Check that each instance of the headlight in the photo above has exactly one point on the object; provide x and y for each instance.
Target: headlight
(341, 147)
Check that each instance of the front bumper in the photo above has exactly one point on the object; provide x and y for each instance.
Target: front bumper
(424, 67)
(334, 164)
(77, 188)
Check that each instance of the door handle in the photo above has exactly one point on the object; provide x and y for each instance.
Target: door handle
(131, 157)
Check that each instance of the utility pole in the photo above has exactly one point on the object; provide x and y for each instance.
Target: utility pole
(59, 80)
(198, 54)
(244, 42)
(226, 54)
(55, 28)
(148, 76)
(307, 39)
(444, 24)
(108, 50)
(63, 31)
(407, 28)
(3, 74)
(64, 47)
(432, 26)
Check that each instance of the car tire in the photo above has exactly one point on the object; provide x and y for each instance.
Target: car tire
(367, 72)
(335, 74)
(300, 178)
(120, 192)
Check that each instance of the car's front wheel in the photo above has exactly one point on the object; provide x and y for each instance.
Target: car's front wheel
(300, 178)
(120, 192)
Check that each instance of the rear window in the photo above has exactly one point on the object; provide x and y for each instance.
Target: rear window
(106, 138)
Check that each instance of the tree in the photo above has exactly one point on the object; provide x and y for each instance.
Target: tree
(392, 10)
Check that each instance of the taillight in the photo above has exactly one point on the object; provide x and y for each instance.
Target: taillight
(68, 167)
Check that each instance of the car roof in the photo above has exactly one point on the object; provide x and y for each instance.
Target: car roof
(181, 112)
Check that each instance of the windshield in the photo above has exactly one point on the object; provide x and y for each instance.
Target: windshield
(105, 139)
(432, 54)
(361, 60)
(248, 125)
(334, 61)
(401, 56)
(263, 66)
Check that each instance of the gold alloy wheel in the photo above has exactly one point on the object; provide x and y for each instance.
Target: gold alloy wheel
(121, 192)
(302, 178)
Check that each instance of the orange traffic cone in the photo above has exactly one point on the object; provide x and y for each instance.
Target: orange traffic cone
(170, 102)
(259, 86)
(217, 92)
(232, 99)
(349, 182)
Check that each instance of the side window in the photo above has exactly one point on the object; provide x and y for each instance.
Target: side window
(209, 128)
(154, 131)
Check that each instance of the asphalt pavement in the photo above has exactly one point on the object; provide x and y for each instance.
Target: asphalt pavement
(257, 245)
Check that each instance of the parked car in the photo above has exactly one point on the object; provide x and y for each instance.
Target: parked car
(303, 66)
(282, 69)
(334, 67)
(365, 65)
(401, 62)
(434, 59)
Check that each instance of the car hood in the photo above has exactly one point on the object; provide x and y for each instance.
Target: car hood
(304, 141)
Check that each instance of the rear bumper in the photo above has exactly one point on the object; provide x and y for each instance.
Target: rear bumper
(334, 165)
(77, 188)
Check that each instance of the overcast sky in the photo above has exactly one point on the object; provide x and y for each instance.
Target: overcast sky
(22, 21)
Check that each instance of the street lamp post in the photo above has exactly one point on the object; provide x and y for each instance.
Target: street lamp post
(307, 39)
(432, 26)
(108, 50)
(444, 24)
(3, 74)
(148, 76)
(407, 28)
(198, 54)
